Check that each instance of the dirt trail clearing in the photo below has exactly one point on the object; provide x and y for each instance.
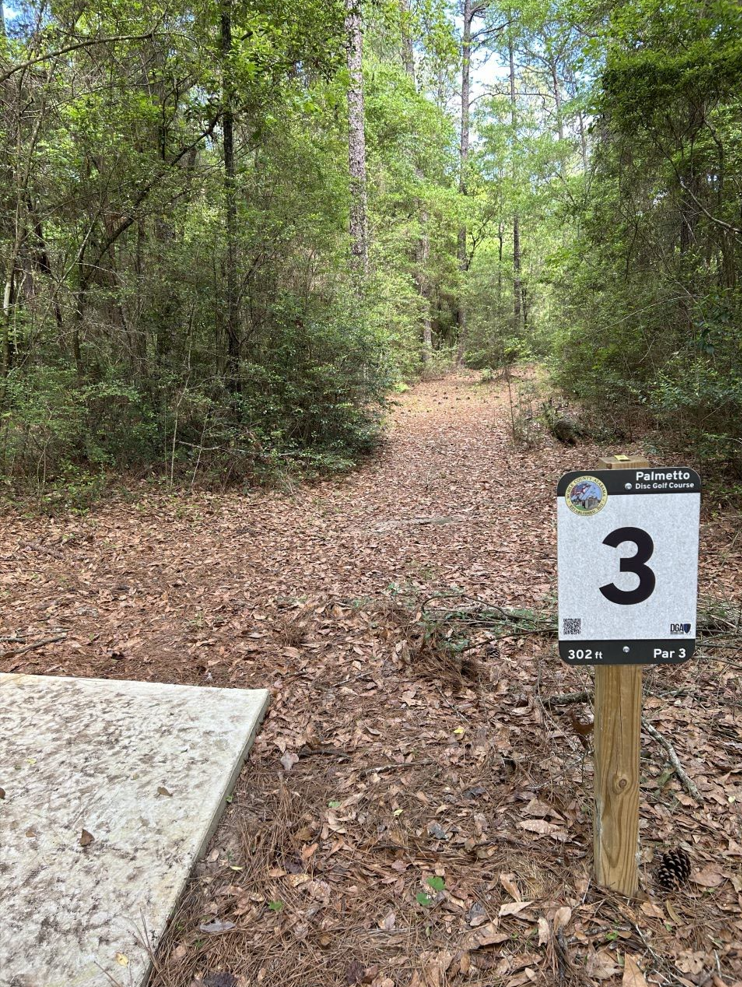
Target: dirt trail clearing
(406, 817)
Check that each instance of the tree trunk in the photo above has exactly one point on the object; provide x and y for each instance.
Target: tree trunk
(408, 53)
(140, 330)
(422, 248)
(517, 283)
(230, 200)
(423, 257)
(40, 256)
(356, 139)
(78, 321)
(500, 249)
(8, 309)
(690, 186)
(583, 140)
(557, 100)
(466, 44)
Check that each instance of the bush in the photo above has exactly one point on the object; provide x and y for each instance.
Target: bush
(312, 395)
(676, 368)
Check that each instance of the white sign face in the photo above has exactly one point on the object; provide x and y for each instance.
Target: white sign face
(628, 565)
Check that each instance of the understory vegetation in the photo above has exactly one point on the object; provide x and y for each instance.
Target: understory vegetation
(228, 231)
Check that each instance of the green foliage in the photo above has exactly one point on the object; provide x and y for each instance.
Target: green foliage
(647, 326)
(51, 423)
(164, 315)
(316, 387)
(114, 336)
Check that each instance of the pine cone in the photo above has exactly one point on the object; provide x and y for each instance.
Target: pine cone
(674, 869)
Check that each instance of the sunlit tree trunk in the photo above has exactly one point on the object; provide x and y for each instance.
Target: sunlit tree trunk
(583, 140)
(517, 283)
(232, 314)
(500, 248)
(8, 307)
(356, 138)
(422, 250)
(408, 53)
(423, 257)
(557, 99)
(466, 46)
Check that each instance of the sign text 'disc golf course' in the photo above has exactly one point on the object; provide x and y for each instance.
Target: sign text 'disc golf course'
(628, 565)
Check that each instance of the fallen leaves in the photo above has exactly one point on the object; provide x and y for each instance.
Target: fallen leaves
(632, 975)
(508, 882)
(288, 760)
(652, 910)
(485, 935)
(513, 908)
(432, 970)
(544, 828)
(216, 927)
(562, 918)
(381, 763)
(711, 876)
(601, 965)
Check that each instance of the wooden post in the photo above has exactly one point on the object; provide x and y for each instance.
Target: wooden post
(618, 714)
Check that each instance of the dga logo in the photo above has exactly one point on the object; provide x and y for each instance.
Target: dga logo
(586, 495)
(680, 628)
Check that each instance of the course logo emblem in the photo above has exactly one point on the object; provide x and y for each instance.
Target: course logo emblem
(586, 495)
(680, 628)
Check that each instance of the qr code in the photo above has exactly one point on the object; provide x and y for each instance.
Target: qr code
(572, 625)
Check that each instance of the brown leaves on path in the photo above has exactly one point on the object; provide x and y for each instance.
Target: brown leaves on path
(413, 811)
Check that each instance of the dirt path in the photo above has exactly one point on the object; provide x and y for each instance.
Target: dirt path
(399, 800)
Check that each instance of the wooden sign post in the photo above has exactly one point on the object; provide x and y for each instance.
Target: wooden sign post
(628, 562)
(617, 707)
(618, 720)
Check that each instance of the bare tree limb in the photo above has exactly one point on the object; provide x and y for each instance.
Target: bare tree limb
(88, 43)
(719, 222)
(34, 647)
(688, 784)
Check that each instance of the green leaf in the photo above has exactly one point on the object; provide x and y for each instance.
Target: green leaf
(423, 899)
(275, 906)
(437, 883)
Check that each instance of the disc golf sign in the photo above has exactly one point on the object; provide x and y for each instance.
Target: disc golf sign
(628, 565)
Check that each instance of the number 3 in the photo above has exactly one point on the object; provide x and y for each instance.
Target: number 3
(635, 564)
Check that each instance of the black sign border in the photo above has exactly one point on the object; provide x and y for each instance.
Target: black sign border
(641, 651)
(615, 481)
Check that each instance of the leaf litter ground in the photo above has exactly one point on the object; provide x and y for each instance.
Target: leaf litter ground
(417, 808)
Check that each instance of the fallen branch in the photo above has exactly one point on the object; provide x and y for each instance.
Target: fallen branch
(568, 698)
(34, 647)
(329, 751)
(674, 760)
(396, 766)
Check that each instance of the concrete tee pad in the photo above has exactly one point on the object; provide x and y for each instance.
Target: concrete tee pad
(142, 768)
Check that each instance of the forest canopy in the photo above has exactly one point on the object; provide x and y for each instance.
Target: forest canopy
(229, 230)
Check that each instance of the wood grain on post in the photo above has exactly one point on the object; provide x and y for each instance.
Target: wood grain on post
(618, 715)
